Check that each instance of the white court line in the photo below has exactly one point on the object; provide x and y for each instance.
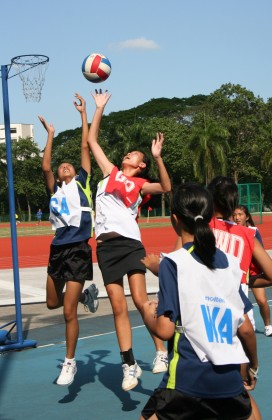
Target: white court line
(85, 338)
(255, 303)
(28, 290)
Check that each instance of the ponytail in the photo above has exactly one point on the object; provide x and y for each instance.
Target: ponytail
(192, 204)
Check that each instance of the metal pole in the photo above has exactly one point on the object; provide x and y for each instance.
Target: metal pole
(20, 341)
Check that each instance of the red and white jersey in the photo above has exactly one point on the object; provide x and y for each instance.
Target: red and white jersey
(117, 202)
(236, 240)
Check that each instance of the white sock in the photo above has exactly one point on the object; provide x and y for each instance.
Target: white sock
(69, 361)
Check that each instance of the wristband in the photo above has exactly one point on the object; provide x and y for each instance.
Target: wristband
(254, 372)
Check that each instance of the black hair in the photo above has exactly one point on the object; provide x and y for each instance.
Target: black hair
(147, 162)
(244, 208)
(225, 195)
(193, 205)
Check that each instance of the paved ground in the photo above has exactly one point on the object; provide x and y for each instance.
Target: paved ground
(32, 284)
(33, 308)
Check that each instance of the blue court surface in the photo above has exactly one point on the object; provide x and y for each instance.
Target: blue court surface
(27, 377)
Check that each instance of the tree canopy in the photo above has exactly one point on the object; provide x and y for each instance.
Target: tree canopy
(227, 132)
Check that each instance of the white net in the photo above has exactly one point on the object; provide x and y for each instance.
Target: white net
(31, 69)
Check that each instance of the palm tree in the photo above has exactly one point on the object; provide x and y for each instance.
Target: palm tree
(209, 146)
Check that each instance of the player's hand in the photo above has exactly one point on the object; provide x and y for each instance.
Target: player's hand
(101, 98)
(156, 147)
(81, 107)
(49, 127)
(249, 379)
(152, 262)
(149, 308)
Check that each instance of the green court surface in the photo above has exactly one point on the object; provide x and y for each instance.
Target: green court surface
(27, 377)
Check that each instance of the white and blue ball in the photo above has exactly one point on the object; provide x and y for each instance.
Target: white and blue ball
(96, 68)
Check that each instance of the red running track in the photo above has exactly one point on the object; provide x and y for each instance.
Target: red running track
(33, 251)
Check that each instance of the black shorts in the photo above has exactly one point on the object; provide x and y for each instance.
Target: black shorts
(119, 256)
(71, 262)
(174, 405)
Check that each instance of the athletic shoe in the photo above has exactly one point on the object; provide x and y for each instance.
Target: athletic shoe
(160, 363)
(268, 331)
(67, 374)
(131, 375)
(91, 298)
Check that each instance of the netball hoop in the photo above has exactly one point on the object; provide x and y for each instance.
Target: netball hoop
(31, 69)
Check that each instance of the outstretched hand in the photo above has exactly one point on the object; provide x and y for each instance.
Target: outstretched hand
(49, 127)
(156, 147)
(81, 107)
(101, 98)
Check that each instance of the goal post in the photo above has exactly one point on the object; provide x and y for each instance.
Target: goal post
(250, 195)
(31, 69)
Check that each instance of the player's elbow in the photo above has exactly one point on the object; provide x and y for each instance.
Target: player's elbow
(46, 168)
(166, 189)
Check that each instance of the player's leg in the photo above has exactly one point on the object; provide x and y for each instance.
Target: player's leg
(261, 299)
(131, 370)
(255, 415)
(137, 284)
(54, 292)
(55, 280)
(119, 306)
(70, 304)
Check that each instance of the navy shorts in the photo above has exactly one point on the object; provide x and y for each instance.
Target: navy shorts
(171, 404)
(119, 256)
(71, 262)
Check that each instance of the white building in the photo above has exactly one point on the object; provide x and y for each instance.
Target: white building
(17, 132)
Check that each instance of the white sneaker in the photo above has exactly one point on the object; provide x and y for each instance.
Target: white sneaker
(91, 298)
(268, 331)
(131, 375)
(160, 363)
(67, 374)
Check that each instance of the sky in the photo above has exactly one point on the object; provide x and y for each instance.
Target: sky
(157, 48)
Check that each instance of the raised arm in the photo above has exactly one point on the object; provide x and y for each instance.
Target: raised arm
(85, 150)
(46, 160)
(103, 162)
(164, 185)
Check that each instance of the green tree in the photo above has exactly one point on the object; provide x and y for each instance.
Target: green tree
(28, 179)
(3, 180)
(209, 146)
(241, 113)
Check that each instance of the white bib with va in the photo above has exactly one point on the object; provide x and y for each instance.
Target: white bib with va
(65, 208)
(211, 308)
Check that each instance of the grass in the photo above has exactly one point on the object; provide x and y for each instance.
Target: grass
(31, 229)
(26, 230)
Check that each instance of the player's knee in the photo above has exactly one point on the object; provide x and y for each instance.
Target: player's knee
(119, 308)
(50, 306)
(69, 314)
(53, 304)
(262, 302)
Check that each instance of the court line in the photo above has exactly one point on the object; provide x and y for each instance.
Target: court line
(85, 338)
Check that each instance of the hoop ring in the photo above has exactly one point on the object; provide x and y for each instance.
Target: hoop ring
(41, 59)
